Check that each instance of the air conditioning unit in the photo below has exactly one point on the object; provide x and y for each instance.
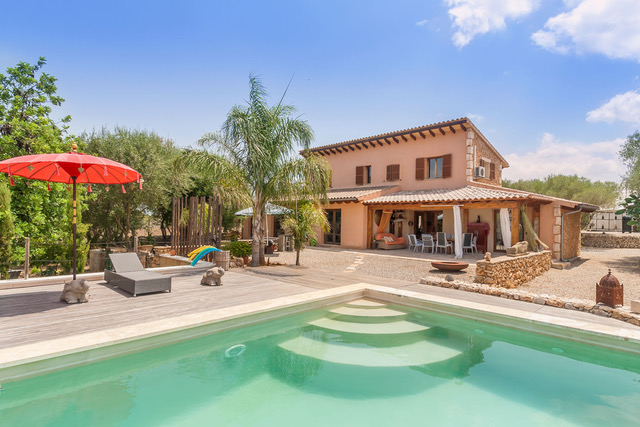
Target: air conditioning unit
(480, 172)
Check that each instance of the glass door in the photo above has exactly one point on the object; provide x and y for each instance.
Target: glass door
(332, 236)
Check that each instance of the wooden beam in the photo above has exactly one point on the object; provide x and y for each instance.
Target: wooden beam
(327, 152)
(321, 153)
(369, 226)
(351, 147)
(404, 138)
(432, 133)
(358, 147)
(515, 225)
(441, 130)
(365, 146)
(373, 144)
(422, 134)
(332, 151)
(396, 140)
(494, 204)
(338, 149)
(463, 127)
(380, 142)
(465, 219)
(452, 129)
(413, 137)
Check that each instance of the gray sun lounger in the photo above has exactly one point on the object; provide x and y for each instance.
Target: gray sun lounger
(131, 276)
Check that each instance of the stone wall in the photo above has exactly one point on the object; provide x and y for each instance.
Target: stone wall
(510, 272)
(572, 227)
(596, 239)
(621, 313)
(483, 151)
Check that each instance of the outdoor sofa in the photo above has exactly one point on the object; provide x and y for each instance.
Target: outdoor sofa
(389, 241)
(131, 276)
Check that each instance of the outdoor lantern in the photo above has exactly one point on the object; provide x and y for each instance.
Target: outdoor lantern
(609, 291)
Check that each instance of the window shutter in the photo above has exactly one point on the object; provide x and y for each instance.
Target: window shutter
(359, 175)
(446, 166)
(389, 172)
(481, 163)
(492, 171)
(395, 173)
(420, 163)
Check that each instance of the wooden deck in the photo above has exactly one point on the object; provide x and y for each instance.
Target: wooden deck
(35, 314)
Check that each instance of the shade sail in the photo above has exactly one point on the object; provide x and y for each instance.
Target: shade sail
(270, 209)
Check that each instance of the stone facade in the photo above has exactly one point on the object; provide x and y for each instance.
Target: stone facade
(610, 240)
(619, 313)
(486, 156)
(510, 272)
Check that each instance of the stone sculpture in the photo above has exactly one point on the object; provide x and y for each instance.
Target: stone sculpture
(519, 248)
(75, 291)
(213, 277)
(487, 256)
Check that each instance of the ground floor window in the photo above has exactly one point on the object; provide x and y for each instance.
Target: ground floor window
(427, 222)
(332, 236)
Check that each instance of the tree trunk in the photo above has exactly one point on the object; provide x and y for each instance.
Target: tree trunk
(255, 239)
(297, 256)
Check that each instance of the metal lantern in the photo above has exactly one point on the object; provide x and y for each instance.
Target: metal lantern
(609, 291)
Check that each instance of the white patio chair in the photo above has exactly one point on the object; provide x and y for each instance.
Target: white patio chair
(412, 241)
(467, 242)
(473, 243)
(428, 243)
(441, 242)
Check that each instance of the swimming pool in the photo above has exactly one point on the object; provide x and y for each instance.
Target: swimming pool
(361, 363)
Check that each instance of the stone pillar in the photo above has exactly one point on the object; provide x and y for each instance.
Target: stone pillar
(557, 225)
(469, 157)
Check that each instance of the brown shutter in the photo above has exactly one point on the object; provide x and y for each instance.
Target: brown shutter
(389, 167)
(446, 166)
(481, 163)
(395, 172)
(492, 170)
(420, 168)
(359, 175)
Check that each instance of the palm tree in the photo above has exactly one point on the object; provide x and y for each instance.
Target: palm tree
(253, 159)
(301, 222)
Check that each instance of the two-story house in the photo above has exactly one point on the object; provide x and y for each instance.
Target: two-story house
(408, 181)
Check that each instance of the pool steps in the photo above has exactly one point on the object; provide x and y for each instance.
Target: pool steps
(338, 338)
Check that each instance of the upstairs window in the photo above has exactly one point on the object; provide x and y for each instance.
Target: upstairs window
(393, 172)
(433, 167)
(363, 175)
(490, 167)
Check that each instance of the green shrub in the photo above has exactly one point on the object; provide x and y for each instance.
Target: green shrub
(6, 231)
(239, 248)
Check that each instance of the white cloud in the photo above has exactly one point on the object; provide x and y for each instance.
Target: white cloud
(624, 107)
(597, 161)
(608, 27)
(422, 23)
(477, 118)
(475, 17)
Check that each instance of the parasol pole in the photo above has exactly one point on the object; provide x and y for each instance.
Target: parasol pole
(73, 227)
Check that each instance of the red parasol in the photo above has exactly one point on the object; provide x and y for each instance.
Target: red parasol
(71, 168)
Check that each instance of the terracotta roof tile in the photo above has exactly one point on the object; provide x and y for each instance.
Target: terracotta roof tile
(463, 194)
(357, 193)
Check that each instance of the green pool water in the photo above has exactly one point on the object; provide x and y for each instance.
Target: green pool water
(359, 364)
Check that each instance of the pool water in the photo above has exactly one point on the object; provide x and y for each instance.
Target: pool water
(359, 364)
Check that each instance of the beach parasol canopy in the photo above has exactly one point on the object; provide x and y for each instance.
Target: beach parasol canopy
(71, 168)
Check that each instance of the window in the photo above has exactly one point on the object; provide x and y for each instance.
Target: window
(393, 172)
(334, 218)
(433, 167)
(363, 175)
(490, 167)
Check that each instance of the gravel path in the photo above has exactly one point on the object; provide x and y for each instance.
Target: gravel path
(577, 281)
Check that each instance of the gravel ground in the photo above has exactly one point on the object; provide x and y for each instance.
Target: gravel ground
(577, 281)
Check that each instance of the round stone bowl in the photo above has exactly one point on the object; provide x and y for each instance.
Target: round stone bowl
(449, 265)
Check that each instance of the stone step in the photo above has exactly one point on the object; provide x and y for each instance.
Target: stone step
(397, 327)
(416, 354)
(367, 312)
(365, 303)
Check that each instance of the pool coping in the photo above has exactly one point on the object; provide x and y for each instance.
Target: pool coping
(46, 356)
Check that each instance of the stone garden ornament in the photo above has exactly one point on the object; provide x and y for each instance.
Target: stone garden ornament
(213, 277)
(75, 291)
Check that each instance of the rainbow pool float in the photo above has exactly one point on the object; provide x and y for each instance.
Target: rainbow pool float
(197, 254)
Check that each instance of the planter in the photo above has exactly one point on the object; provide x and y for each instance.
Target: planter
(449, 265)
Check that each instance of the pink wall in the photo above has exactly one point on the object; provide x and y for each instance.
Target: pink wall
(354, 225)
(547, 221)
(404, 154)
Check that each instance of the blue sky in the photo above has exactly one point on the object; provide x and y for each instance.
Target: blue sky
(553, 84)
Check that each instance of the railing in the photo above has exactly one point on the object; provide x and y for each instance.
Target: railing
(40, 259)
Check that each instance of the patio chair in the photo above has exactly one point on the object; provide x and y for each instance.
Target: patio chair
(412, 241)
(417, 244)
(473, 243)
(427, 242)
(467, 242)
(131, 276)
(441, 242)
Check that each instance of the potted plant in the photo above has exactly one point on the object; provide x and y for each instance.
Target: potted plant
(240, 249)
